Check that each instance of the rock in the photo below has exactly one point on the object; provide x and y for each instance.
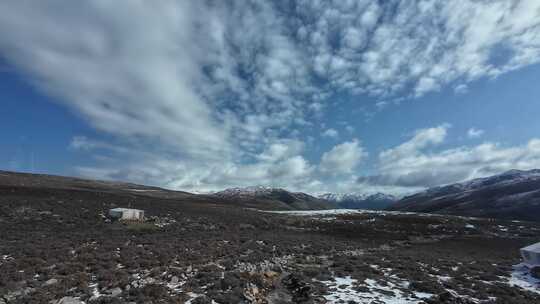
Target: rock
(115, 292)
(50, 282)
(69, 300)
(11, 296)
(535, 272)
(175, 280)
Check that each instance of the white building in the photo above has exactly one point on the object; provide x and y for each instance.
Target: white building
(531, 255)
(127, 214)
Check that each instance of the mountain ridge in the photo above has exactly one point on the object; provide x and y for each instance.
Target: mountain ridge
(371, 201)
(262, 197)
(514, 194)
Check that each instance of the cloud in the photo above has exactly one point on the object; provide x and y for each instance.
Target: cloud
(474, 133)
(420, 140)
(461, 89)
(342, 158)
(411, 166)
(281, 149)
(212, 93)
(333, 133)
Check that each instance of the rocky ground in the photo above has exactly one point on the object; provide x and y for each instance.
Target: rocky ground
(57, 246)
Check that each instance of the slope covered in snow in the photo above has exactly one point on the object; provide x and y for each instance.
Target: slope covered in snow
(377, 201)
(513, 194)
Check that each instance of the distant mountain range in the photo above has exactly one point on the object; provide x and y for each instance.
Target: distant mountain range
(511, 195)
(272, 198)
(514, 194)
(261, 196)
(377, 201)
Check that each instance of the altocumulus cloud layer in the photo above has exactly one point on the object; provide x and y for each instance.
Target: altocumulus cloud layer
(201, 95)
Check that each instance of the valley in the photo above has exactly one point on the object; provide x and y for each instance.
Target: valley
(58, 246)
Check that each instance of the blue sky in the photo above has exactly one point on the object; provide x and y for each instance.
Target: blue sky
(330, 96)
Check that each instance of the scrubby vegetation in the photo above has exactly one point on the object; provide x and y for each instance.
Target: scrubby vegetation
(57, 244)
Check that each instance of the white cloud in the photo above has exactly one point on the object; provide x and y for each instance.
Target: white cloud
(343, 158)
(333, 133)
(458, 49)
(281, 149)
(410, 166)
(420, 140)
(475, 133)
(201, 95)
(461, 89)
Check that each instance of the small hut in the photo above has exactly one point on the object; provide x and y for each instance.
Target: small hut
(127, 214)
(531, 255)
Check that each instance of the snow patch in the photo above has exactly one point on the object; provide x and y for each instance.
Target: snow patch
(342, 211)
(521, 277)
(346, 289)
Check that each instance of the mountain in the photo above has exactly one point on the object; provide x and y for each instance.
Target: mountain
(514, 194)
(272, 198)
(250, 197)
(377, 201)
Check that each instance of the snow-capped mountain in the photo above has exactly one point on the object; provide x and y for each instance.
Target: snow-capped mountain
(246, 191)
(377, 201)
(273, 198)
(514, 194)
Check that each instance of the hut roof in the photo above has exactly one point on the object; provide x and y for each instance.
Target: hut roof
(533, 248)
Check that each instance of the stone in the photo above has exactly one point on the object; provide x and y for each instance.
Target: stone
(115, 292)
(69, 300)
(50, 282)
(175, 280)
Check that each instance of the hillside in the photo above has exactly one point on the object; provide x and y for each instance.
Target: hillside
(250, 197)
(59, 247)
(511, 195)
(272, 198)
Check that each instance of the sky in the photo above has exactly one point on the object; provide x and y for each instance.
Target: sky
(314, 96)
